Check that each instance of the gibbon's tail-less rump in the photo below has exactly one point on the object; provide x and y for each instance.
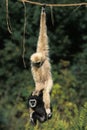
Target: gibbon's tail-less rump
(40, 65)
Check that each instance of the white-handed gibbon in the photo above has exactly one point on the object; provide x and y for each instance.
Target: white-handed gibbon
(40, 65)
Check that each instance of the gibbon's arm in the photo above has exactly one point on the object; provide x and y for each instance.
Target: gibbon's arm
(42, 44)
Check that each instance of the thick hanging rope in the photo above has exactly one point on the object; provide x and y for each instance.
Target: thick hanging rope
(55, 5)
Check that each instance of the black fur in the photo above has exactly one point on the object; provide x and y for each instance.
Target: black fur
(39, 110)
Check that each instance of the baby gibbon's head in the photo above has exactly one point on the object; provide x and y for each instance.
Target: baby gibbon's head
(37, 59)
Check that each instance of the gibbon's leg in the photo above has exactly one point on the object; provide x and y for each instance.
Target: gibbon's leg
(46, 97)
(31, 115)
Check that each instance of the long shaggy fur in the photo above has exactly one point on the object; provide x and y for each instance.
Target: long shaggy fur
(40, 65)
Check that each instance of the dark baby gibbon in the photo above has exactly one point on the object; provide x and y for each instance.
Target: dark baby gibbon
(40, 65)
(36, 104)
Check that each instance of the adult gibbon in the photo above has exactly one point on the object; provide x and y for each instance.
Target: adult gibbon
(40, 65)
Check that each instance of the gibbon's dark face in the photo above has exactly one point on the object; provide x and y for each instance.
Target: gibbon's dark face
(37, 64)
(37, 105)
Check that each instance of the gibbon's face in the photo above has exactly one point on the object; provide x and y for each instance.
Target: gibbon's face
(37, 59)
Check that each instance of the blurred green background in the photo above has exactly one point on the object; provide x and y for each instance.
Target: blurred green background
(68, 54)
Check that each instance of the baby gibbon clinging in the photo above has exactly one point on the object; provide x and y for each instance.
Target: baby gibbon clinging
(40, 65)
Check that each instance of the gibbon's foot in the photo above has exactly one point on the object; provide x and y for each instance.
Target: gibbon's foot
(36, 93)
(49, 113)
(32, 120)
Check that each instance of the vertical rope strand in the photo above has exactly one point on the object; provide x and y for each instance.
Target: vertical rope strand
(7, 18)
(23, 44)
(52, 18)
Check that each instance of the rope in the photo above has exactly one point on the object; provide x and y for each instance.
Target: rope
(54, 5)
(8, 18)
(25, 20)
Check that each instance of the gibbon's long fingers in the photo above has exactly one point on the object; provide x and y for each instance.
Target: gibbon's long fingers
(43, 8)
(42, 45)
